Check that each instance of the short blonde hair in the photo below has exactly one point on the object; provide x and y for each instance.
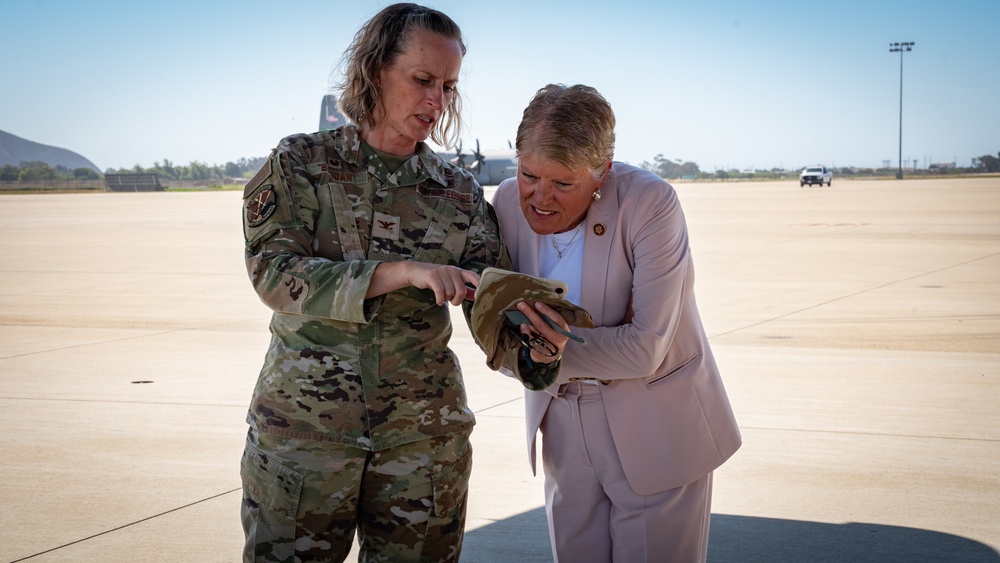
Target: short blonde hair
(572, 125)
(376, 46)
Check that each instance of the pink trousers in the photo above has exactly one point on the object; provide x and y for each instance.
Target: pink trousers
(593, 513)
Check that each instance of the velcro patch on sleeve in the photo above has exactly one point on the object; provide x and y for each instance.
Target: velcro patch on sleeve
(258, 178)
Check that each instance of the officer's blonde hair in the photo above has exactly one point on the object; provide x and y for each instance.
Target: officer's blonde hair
(376, 46)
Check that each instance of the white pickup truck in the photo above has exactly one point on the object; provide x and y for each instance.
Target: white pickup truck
(816, 175)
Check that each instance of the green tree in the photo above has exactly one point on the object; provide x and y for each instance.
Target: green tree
(233, 170)
(197, 171)
(990, 163)
(9, 173)
(85, 174)
(36, 171)
(168, 169)
(665, 168)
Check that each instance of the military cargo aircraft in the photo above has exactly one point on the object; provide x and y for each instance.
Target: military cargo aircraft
(329, 116)
(489, 168)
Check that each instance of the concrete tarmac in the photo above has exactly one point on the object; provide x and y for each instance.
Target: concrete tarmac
(857, 326)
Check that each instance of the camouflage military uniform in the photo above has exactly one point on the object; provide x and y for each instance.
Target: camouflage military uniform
(358, 376)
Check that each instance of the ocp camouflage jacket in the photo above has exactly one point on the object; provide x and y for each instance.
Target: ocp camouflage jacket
(318, 218)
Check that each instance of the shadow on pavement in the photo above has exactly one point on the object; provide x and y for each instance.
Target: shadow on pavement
(748, 539)
(524, 538)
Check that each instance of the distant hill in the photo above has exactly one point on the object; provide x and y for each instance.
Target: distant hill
(15, 150)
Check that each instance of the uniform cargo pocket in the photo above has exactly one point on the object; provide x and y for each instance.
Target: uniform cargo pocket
(270, 501)
(270, 484)
(451, 486)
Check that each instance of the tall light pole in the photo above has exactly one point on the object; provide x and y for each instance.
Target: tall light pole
(901, 48)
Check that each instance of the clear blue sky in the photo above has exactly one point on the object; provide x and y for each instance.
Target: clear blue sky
(726, 84)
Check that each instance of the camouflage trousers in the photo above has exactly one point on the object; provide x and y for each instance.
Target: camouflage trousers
(304, 499)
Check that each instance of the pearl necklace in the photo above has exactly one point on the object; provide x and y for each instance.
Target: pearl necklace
(559, 253)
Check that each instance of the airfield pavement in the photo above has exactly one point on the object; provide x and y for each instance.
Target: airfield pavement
(857, 327)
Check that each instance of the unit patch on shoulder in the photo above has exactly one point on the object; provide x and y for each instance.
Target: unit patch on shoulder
(260, 205)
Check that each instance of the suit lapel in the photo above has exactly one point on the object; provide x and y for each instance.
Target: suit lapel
(602, 217)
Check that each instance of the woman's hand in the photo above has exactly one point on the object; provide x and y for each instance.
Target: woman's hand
(447, 282)
(539, 327)
(450, 284)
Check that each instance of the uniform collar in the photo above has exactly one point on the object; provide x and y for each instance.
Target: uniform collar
(423, 165)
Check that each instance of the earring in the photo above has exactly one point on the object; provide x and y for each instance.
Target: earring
(597, 195)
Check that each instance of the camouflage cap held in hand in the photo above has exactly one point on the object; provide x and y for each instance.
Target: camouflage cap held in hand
(499, 291)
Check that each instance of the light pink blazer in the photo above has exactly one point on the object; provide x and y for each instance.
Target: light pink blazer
(668, 410)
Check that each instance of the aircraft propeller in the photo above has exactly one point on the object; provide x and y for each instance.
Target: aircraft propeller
(459, 157)
(480, 159)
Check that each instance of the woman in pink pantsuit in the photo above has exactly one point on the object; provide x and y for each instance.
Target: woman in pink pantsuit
(638, 417)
